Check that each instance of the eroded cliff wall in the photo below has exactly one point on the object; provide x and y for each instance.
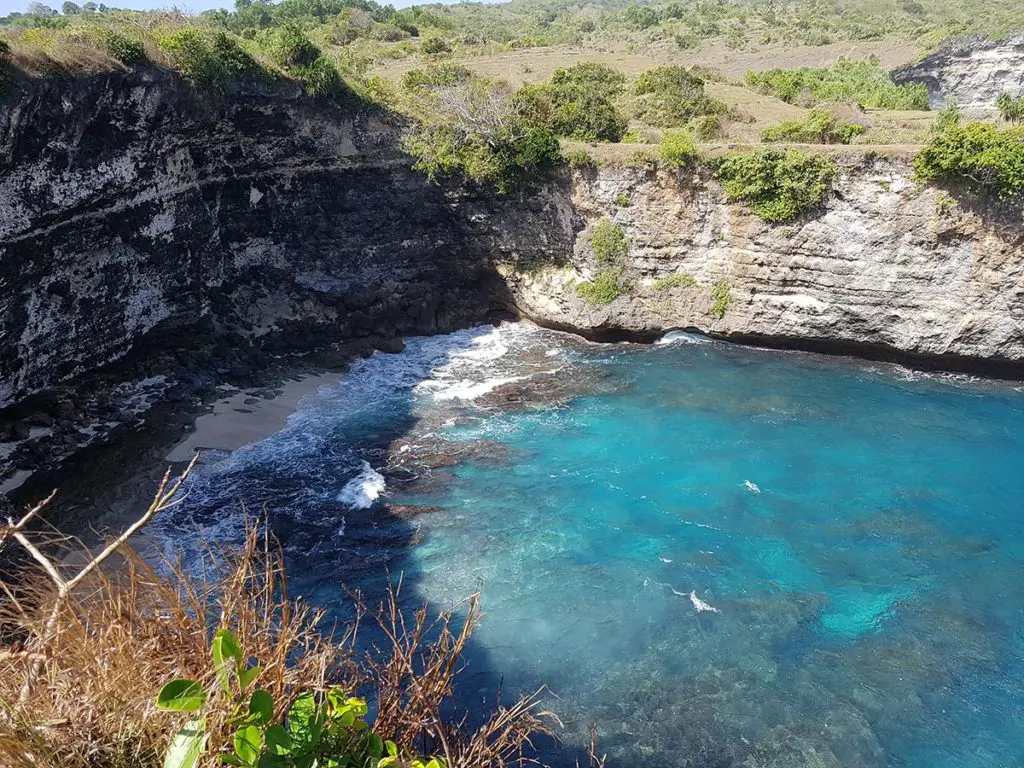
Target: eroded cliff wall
(971, 74)
(885, 268)
(128, 204)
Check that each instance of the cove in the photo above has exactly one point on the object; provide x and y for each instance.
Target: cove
(719, 555)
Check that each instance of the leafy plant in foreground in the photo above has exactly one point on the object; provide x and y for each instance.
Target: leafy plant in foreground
(327, 733)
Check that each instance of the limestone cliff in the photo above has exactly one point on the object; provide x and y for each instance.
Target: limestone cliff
(884, 269)
(129, 206)
(971, 73)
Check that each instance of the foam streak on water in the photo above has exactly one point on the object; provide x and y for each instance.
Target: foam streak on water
(721, 556)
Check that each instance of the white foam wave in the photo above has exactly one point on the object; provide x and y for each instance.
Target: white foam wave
(364, 489)
(700, 605)
(466, 389)
(683, 337)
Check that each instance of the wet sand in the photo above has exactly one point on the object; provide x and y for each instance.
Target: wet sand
(242, 418)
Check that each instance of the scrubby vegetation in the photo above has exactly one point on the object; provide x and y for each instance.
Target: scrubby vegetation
(1010, 109)
(240, 674)
(680, 280)
(609, 242)
(818, 126)
(611, 248)
(583, 100)
(603, 289)
(481, 130)
(778, 184)
(721, 298)
(677, 149)
(211, 60)
(668, 97)
(857, 82)
(983, 157)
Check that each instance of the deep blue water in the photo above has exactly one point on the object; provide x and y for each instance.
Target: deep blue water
(857, 528)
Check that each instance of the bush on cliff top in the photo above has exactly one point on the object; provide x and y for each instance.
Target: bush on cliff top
(777, 184)
(472, 127)
(677, 149)
(861, 82)
(989, 160)
(583, 99)
(817, 127)
(668, 97)
(211, 60)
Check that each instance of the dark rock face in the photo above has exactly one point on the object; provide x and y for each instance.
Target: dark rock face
(130, 206)
(971, 72)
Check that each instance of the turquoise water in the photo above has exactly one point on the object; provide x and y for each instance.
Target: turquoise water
(852, 533)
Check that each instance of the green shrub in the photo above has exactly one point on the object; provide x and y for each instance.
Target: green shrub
(687, 40)
(321, 78)
(677, 149)
(862, 82)
(433, 46)
(622, 200)
(438, 75)
(670, 96)
(125, 49)
(721, 296)
(603, 289)
(682, 280)
(608, 242)
(817, 127)
(578, 159)
(984, 157)
(778, 185)
(582, 98)
(706, 127)
(328, 730)
(211, 60)
(474, 128)
(1011, 109)
(289, 47)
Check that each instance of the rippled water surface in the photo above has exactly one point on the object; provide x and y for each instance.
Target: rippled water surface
(721, 556)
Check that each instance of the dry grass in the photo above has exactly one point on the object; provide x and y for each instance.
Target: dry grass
(93, 662)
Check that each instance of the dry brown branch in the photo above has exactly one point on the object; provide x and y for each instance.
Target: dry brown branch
(100, 644)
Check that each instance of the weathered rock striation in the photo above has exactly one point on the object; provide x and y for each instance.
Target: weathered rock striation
(884, 269)
(970, 72)
(130, 207)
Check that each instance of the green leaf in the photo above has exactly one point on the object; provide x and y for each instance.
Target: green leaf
(248, 744)
(376, 746)
(247, 676)
(262, 706)
(305, 722)
(232, 760)
(226, 653)
(391, 747)
(278, 740)
(269, 760)
(187, 746)
(181, 695)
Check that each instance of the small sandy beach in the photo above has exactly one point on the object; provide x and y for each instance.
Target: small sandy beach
(242, 418)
